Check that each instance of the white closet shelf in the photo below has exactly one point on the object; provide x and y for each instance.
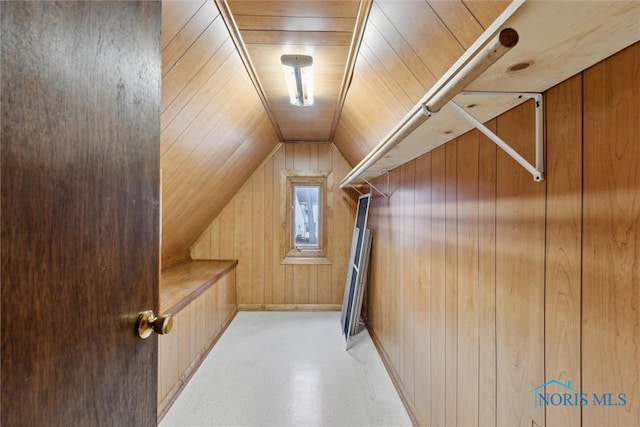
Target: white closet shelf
(557, 40)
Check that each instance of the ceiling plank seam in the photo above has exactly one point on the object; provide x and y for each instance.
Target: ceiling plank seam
(356, 41)
(234, 32)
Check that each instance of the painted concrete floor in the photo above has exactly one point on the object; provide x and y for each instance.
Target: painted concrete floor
(289, 369)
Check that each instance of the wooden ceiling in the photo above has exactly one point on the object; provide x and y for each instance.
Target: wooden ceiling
(322, 29)
(216, 127)
(407, 46)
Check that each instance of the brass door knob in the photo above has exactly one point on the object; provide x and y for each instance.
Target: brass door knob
(148, 323)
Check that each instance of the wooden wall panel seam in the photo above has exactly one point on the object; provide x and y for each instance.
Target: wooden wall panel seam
(582, 133)
(562, 344)
(445, 25)
(199, 91)
(408, 65)
(611, 236)
(186, 51)
(185, 25)
(451, 282)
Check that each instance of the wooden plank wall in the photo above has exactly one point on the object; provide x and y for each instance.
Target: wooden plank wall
(485, 284)
(611, 236)
(250, 227)
(197, 327)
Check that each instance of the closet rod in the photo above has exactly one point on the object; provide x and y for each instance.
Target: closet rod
(479, 63)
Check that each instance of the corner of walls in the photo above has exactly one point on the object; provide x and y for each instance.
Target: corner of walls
(249, 229)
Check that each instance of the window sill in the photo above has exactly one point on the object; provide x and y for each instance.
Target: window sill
(306, 260)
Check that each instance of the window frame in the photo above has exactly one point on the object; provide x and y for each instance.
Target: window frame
(289, 253)
(318, 218)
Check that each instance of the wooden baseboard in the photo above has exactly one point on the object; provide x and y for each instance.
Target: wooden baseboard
(289, 307)
(395, 379)
(168, 401)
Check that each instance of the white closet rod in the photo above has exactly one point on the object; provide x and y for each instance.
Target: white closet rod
(479, 63)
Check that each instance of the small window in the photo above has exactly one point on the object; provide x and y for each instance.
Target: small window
(306, 217)
(305, 205)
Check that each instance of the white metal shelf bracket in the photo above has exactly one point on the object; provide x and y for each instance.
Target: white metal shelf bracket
(356, 189)
(538, 170)
(373, 187)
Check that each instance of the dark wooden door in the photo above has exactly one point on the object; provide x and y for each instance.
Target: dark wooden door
(80, 211)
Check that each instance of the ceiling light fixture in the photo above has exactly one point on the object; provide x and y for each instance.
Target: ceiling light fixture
(297, 71)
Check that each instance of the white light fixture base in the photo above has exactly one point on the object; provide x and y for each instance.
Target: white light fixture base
(297, 71)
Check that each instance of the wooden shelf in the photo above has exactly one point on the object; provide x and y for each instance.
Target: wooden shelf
(201, 295)
(182, 284)
(557, 40)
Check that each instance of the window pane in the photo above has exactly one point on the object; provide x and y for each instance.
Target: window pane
(306, 214)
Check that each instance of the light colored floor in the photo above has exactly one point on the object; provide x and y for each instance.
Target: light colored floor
(289, 369)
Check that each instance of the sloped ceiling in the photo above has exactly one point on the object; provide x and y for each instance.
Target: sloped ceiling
(216, 128)
(322, 29)
(407, 46)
